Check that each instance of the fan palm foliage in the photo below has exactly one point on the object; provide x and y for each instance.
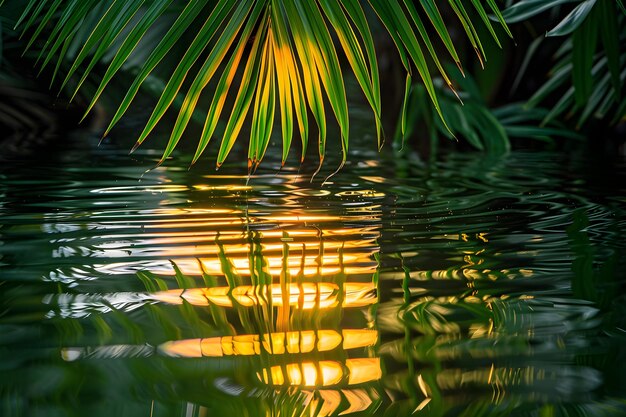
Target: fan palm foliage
(286, 53)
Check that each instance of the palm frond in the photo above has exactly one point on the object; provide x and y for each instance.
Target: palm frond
(292, 63)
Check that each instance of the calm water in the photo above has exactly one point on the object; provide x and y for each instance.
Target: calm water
(464, 287)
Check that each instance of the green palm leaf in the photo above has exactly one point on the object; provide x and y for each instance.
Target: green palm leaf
(292, 64)
(205, 74)
(588, 76)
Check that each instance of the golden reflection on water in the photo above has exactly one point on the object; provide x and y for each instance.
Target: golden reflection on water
(291, 276)
(324, 373)
(304, 341)
(312, 357)
(308, 255)
(305, 295)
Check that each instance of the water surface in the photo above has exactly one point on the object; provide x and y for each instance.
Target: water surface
(468, 286)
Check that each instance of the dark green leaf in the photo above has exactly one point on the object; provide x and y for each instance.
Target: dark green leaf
(525, 9)
(573, 20)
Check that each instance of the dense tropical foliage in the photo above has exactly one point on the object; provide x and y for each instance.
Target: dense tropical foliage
(258, 61)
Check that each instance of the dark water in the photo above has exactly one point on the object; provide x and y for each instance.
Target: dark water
(468, 286)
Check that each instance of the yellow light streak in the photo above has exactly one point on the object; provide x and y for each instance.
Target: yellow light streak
(306, 295)
(363, 370)
(274, 343)
(323, 373)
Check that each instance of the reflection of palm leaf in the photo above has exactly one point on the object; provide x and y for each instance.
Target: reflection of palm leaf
(293, 62)
(295, 362)
(251, 301)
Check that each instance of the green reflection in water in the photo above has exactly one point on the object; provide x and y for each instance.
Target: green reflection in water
(483, 303)
(292, 345)
(282, 340)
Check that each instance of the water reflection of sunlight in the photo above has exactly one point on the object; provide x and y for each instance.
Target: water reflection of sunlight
(304, 341)
(323, 373)
(289, 275)
(186, 235)
(294, 317)
(304, 295)
(325, 369)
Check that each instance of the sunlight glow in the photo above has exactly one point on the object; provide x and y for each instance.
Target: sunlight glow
(306, 295)
(274, 343)
(323, 373)
(363, 370)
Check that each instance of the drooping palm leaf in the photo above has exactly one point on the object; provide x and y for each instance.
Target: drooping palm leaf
(293, 62)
